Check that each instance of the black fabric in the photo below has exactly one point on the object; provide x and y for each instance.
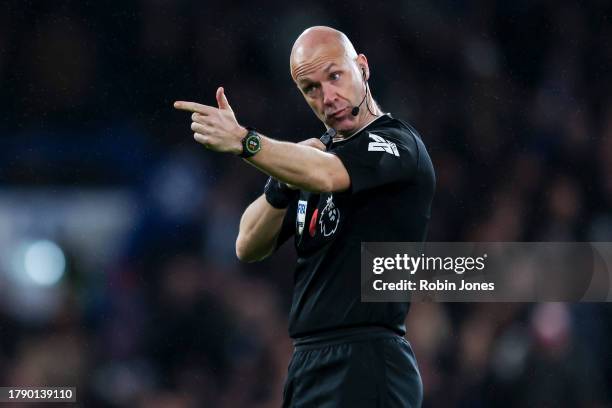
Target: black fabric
(278, 194)
(371, 370)
(288, 225)
(380, 156)
(392, 184)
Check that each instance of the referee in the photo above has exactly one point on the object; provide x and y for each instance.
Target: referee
(369, 178)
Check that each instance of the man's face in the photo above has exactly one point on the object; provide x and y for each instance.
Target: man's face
(332, 85)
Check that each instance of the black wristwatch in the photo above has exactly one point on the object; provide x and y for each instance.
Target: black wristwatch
(251, 143)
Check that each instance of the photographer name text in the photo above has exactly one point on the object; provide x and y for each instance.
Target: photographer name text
(413, 264)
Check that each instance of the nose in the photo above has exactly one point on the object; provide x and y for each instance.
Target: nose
(329, 94)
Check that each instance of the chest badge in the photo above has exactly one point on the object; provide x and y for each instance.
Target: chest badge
(301, 215)
(329, 218)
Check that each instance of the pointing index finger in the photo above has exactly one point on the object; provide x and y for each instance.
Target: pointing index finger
(193, 107)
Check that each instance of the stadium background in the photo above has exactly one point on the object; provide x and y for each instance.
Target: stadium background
(117, 265)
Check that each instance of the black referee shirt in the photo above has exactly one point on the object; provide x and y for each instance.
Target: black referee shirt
(392, 186)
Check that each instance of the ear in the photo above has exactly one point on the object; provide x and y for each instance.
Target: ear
(362, 61)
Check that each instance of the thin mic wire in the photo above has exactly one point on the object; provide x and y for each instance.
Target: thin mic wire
(366, 101)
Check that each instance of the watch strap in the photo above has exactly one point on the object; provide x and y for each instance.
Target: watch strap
(251, 143)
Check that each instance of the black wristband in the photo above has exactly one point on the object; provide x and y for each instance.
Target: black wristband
(278, 194)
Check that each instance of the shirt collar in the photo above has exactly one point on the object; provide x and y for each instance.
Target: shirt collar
(342, 139)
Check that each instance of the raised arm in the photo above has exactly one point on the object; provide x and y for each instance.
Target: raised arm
(301, 166)
(304, 166)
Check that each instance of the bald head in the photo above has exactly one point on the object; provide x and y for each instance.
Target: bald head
(318, 42)
(332, 77)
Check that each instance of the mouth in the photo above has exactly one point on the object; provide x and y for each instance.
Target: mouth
(337, 114)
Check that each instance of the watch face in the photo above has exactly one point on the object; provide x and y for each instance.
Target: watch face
(253, 144)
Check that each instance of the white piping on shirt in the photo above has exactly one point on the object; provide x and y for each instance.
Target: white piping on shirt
(342, 139)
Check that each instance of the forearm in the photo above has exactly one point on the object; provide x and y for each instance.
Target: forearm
(301, 166)
(259, 228)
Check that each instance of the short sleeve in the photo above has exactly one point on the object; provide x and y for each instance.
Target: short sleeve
(288, 225)
(375, 159)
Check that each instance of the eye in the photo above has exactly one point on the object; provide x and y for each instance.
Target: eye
(334, 76)
(309, 89)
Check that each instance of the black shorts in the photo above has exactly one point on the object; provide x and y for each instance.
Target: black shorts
(364, 367)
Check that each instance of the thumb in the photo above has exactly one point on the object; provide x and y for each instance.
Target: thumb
(222, 100)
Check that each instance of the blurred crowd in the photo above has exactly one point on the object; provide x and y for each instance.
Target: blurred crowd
(513, 100)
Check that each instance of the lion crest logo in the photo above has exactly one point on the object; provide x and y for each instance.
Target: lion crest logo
(330, 217)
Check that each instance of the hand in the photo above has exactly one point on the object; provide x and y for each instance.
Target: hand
(216, 128)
